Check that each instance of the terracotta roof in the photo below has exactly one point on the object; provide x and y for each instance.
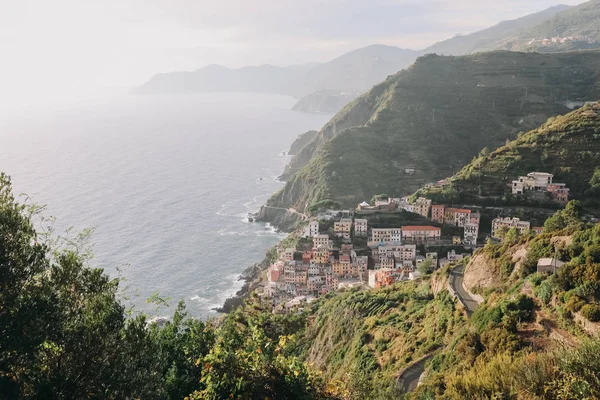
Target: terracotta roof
(458, 210)
(420, 228)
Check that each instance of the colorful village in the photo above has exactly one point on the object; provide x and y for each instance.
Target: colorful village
(342, 249)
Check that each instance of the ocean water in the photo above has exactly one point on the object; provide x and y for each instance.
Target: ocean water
(166, 183)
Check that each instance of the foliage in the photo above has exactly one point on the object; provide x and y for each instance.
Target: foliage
(591, 312)
(65, 334)
(558, 147)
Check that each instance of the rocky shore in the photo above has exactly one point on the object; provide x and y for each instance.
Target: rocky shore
(283, 221)
(252, 276)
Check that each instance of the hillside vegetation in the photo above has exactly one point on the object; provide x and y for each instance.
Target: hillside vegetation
(435, 116)
(567, 146)
(65, 333)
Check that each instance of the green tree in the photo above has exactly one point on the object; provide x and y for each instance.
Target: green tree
(426, 267)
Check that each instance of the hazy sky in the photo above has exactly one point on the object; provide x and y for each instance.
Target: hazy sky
(72, 46)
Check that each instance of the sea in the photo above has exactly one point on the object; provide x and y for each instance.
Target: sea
(165, 182)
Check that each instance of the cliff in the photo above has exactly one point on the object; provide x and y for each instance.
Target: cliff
(433, 117)
(301, 141)
(324, 101)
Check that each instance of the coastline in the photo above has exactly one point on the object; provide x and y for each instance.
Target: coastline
(282, 221)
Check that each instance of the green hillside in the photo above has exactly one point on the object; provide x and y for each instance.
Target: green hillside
(567, 146)
(435, 116)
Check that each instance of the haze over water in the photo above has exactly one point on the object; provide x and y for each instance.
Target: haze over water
(165, 181)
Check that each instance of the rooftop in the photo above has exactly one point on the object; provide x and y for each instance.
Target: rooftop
(420, 228)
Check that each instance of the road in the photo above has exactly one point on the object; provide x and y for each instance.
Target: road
(410, 378)
(290, 210)
(456, 282)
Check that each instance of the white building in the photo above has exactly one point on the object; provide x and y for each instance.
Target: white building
(549, 265)
(420, 233)
(342, 229)
(471, 234)
(386, 235)
(321, 240)
(509, 223)
(288, 254)
(414, 275)
(533, 181)
(360, 227)
(398, 252)
(312, 229)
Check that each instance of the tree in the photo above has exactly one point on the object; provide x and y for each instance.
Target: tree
(426, 267)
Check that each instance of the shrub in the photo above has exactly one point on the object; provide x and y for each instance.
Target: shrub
(591, 312)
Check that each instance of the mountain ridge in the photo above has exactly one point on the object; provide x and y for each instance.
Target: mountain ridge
(433, 117)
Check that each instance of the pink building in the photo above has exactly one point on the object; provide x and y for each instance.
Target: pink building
(437, 213)
(559, 191)
(420, 233)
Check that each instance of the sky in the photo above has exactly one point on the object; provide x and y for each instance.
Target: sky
(69, 47)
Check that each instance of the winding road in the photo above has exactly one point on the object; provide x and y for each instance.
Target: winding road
(456, 282)
(409, 380)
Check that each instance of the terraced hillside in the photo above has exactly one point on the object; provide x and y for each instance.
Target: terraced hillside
(566, 146)
(434, 117)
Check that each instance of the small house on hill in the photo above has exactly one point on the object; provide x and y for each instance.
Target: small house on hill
(550, 265)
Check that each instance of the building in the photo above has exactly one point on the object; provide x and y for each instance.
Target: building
(559, 191)
(274, 273)
(360, 228)
(381, 277)
(288, 254)
(387, 262)
(321, 255)
(437, 213)
(306, 257)
(471, 234)
(312, 229)
(321, 240)
(509, 223)
(457, 216)
(398, 252)
(537, 229)
(550, 265)
(364, 206)
(420, 233)
(298, 277)
(414, 275)
(541, 182)
(475, 218)
(342, 229)
(453, 257)
(386, 235)
(422, 206)
(342, 267)
(533, 181)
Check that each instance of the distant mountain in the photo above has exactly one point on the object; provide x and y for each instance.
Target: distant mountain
(360, 69)
(216, 78)
(434, 117)
(576, 28)
(356, 71)
(495, 37)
